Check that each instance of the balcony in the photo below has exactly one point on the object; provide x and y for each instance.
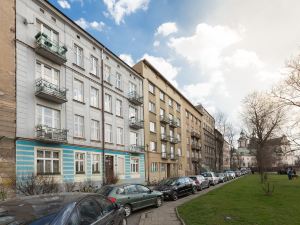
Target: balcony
(195, 159)
(136, 124)
(137, 148)
(164, 119)
(50, 49)
(173, 123)
(49, 91)
(173, 156)
(173, 140)
(135, 98)
(164, 155)
(196, 146)
(195, 134)
(164, 137)
(49, 134)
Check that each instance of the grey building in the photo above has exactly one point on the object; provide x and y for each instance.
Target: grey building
(76, 102)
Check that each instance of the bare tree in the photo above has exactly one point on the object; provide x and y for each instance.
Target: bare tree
(264, 117)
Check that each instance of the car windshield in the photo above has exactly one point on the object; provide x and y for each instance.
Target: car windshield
(194, 178)
(168, 181)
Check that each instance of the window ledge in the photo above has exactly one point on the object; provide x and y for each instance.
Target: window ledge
(79, 67)
(80, 173)
(97, 141)
(79, 138)
(107, 82)
(121, 117)
(83, 103)
(120, 145)
(119, 89)
(108, 112)
(109, 143)
(95, 75)
(95, 107)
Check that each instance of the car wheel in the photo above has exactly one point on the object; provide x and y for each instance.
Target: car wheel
(174, 196)
(208, 186)
(200, 188)
(127, 209)
(123, 222)
(158, 202)
(193, 190)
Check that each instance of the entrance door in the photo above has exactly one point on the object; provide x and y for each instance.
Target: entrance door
(168, 170)
(109, 168)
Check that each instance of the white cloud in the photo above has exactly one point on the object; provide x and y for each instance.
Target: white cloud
(64, 4)
(166, 29)
(156, 43)
(164, 67)
(90, 25)
(127, 58)
(206, 45)
(243, 58)
(118, 9)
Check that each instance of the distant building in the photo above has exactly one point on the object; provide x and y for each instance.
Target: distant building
(219, 150)
(226, 155)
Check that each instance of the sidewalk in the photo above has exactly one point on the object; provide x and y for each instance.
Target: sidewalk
(166, 214)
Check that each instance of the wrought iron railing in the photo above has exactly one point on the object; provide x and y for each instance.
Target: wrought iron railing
(48, 88)
(164, 137)
(137, 148)
(173, 123)
(164, 119)
(135, 98)
(136, 123)
(164, 155)
(173, 139)
(47, 133)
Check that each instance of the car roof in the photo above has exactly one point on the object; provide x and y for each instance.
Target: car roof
(26, 209)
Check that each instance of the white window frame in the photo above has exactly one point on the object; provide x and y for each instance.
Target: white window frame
(95, 129)
(36, 158)
(79, 57)
(78, 124)
(152, 88)
(152, 107)
(134, 166)
(119, 110)
(94, 66)
(152, 126)
(120, 136)
(119, 81)
(152, 146)
(162, 95)
(154, 167)
(108, 139)
(78, 96)
(107, 103)
(107, 73)
(41, 74)
(94, 98)
(80, 160)
(53, 125)
(95, 172)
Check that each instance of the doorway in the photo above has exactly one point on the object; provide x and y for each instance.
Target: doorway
(109, 168)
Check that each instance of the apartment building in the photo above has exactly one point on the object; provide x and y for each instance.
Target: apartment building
(219, 154)
(7, 92)
(172, 125)
(79, 107)
(208, 135)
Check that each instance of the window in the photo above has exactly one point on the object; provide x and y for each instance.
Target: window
(48, 117)
(119, 81)
(95, 130)
(151, 88)
(133, 138)
(178, 122)
(132, 87)
(51, 34)
(152, 146)
(163, 148)
(89, 211)
(79, 163)
(134, 165)
(161, 112)
(108, 103)
(178, 107)
(179, 151)
(152, 127)
(78, 55)
(94, 65)
(94, 97)
(187, 140)
(78, 126)
(132, 112)
(47, 73)
(162, 96)
(78, 90)
(107, 73)
(171, 133)
(154, 167)
(120, 136)
(178, 137)
(95, 163)
(152, 107)
(162, 130)
(48, 162)
(171, 116)
(121, 166)
(170, 102)
(163, 167)
(172, 151)
(118, 107)
(108, 133)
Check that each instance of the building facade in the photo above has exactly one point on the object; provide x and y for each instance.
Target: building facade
(172, 133)
(219, 155)
(79, 107)
(7, 92)
(226, 155)
(208, 137)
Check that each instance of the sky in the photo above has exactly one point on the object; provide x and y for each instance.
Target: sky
(214, 51)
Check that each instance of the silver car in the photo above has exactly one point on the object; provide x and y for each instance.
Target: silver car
(211, 176)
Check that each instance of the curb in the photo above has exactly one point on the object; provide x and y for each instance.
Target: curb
(179, 217)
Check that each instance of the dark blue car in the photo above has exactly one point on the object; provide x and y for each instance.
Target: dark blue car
(62, 209)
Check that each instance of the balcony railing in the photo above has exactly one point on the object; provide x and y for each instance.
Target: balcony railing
(173, 156)
(137, 148)
(196, 146)
(164, 119)
(173, 123)
(164, 155)
(50, 49)
(52, 92)
(164, 137)
(136, 124)
(135, 98)
(195, 134)
(49, 134)
(173, 139)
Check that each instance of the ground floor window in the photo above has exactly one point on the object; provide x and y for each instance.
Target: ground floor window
(154, 167)
(134, 165)
(96, 163)
(80, 163)
(48, 162)
(121, 166)
(163, 167)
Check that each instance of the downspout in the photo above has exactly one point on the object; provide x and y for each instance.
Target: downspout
(102, 115)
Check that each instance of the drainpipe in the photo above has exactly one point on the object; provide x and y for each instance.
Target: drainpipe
(102, 115)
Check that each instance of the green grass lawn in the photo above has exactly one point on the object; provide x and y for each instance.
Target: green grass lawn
(245, 203)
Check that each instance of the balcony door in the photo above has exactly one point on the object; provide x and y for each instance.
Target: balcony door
(133, 138)
(47, 116)
(47, 73)
(133, 113)
(132, 87)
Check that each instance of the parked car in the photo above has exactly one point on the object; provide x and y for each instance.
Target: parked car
(222, 177)
(237, 173)
(132, 196)
(63, 208)
(231, 174)
(211, 177)
(172, 188)
(200, 182)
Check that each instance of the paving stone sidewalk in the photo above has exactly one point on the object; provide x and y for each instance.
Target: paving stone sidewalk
(166, 214)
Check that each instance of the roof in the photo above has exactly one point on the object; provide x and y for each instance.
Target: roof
(89, 35)
(26, 209)
(169, 83)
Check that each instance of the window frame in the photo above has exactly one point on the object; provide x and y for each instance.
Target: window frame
(80, 160)
(76, 97)
(59, 159)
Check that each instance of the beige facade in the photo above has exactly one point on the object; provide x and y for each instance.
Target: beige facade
(172, 127)
(7, 91)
